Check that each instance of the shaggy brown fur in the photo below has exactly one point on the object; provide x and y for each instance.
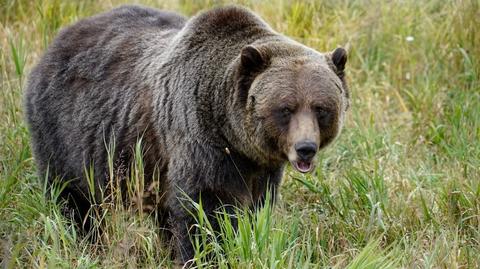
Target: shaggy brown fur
(221, 100)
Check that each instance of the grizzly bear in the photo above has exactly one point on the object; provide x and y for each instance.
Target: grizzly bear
(220, 101)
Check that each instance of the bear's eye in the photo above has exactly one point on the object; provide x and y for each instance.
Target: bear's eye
(286, 112)
(322, 113)
(324, 117)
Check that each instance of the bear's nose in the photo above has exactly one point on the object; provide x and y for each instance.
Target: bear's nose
(306, 149)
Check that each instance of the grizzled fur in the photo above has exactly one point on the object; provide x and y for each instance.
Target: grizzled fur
(206, 94)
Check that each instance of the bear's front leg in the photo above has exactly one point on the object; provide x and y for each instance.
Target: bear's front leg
(183, 219)
(219, 186)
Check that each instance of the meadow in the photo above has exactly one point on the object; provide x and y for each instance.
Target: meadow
(400, 188)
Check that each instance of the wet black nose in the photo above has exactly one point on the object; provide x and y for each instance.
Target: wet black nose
(306, 149)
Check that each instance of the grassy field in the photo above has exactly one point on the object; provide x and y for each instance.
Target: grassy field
(400, 188)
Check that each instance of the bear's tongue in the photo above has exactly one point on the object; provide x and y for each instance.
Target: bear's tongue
(303, 166)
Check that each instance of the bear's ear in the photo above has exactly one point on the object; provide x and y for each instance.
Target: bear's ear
(339, 59)
(252, 62)
(251, 59)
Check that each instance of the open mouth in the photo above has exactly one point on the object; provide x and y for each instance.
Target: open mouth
(303, 166)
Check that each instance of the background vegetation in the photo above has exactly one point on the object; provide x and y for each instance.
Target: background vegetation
(399, 188)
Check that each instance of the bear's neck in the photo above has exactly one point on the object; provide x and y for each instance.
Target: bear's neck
(200, 64)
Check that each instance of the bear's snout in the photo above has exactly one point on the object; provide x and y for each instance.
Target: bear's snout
(303, 141)
(306, 150)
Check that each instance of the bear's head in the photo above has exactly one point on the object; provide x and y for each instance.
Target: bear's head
(294, 100)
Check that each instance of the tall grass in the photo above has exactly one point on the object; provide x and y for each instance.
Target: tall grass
(400, 187)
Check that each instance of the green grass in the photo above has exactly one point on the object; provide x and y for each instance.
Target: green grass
(400, 188)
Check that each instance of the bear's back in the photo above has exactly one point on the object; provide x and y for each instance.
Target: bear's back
(118, 30)
(85, 81)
